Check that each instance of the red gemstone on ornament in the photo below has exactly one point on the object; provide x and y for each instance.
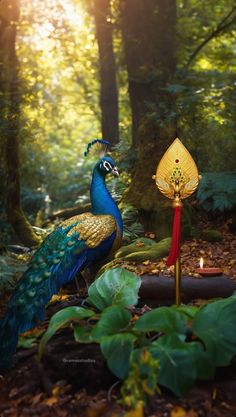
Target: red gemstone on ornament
(176, 161)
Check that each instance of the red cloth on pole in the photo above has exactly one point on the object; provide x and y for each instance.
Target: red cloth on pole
(175, 242)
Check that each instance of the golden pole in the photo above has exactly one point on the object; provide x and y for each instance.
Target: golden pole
(177, 266)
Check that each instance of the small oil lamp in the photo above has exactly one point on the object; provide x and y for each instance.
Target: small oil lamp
(207, 272)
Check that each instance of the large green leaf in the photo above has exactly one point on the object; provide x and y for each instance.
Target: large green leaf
(29, 339)
(82, 334)
(180, 363)
(117, 349)
(215, 325)
(116, 286)
(113, 319)
(189, 311)
(163, 319)
(61, 319)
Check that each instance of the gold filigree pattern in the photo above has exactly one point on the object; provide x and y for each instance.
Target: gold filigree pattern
(92, 229)
(177, 172)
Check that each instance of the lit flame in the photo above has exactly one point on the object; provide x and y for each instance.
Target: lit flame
(201, 262)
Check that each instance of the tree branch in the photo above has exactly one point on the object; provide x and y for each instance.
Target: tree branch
(224, 24)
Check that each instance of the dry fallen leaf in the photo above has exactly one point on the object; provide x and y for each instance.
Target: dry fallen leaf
(178, 412)
(96, 409)
(192, 413)
(37, 398)
(50, 401)
(59, 297)
(135, 412)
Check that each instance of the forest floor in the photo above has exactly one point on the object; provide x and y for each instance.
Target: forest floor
(64, 387)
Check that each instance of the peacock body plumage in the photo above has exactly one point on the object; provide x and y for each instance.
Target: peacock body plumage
(76, 244)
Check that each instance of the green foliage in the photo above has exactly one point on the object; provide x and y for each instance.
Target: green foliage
(187, 343)
(62, 319)
(29, 339)
(214, 324)
(188, 311)
(59, 110)
(59, 86)
(117, 350)
(116, 289)
(142, 379)
(211, 235)
(138, 253)
(137, 245)
(217, 191)
(180, 363)
(116, 286)
(162, 319)
(206, 105)
(112, 320)
(82, 333)
(132, 226)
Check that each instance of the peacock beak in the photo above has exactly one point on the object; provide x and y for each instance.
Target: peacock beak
(115, 171)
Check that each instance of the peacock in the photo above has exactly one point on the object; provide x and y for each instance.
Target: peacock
(77, 243)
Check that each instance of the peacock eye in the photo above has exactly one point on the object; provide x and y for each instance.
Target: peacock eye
(107, 166)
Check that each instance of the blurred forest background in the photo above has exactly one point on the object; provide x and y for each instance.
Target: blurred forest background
(135, 72)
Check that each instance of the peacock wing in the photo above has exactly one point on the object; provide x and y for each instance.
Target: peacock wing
(92, 229)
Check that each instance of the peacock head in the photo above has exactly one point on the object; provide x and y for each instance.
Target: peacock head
(106, 165)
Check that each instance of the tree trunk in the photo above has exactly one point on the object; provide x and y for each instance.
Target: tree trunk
(3, 53)
(149, 32)
(108, 91)
(10, 90)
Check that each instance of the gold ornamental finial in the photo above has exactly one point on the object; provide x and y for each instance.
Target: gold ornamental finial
(177, 174)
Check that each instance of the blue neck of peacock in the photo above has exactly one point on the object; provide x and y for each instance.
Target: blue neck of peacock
(101, 199)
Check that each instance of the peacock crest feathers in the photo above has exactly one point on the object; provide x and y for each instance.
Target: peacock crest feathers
(97, 147)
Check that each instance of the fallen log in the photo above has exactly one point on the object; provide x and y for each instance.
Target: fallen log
(69, 212)
(156, 290)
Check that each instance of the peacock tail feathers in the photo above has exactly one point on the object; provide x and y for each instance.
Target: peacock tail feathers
(9, 338)
(56, 262)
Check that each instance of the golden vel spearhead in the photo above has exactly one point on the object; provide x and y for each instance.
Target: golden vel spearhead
(177, 174)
